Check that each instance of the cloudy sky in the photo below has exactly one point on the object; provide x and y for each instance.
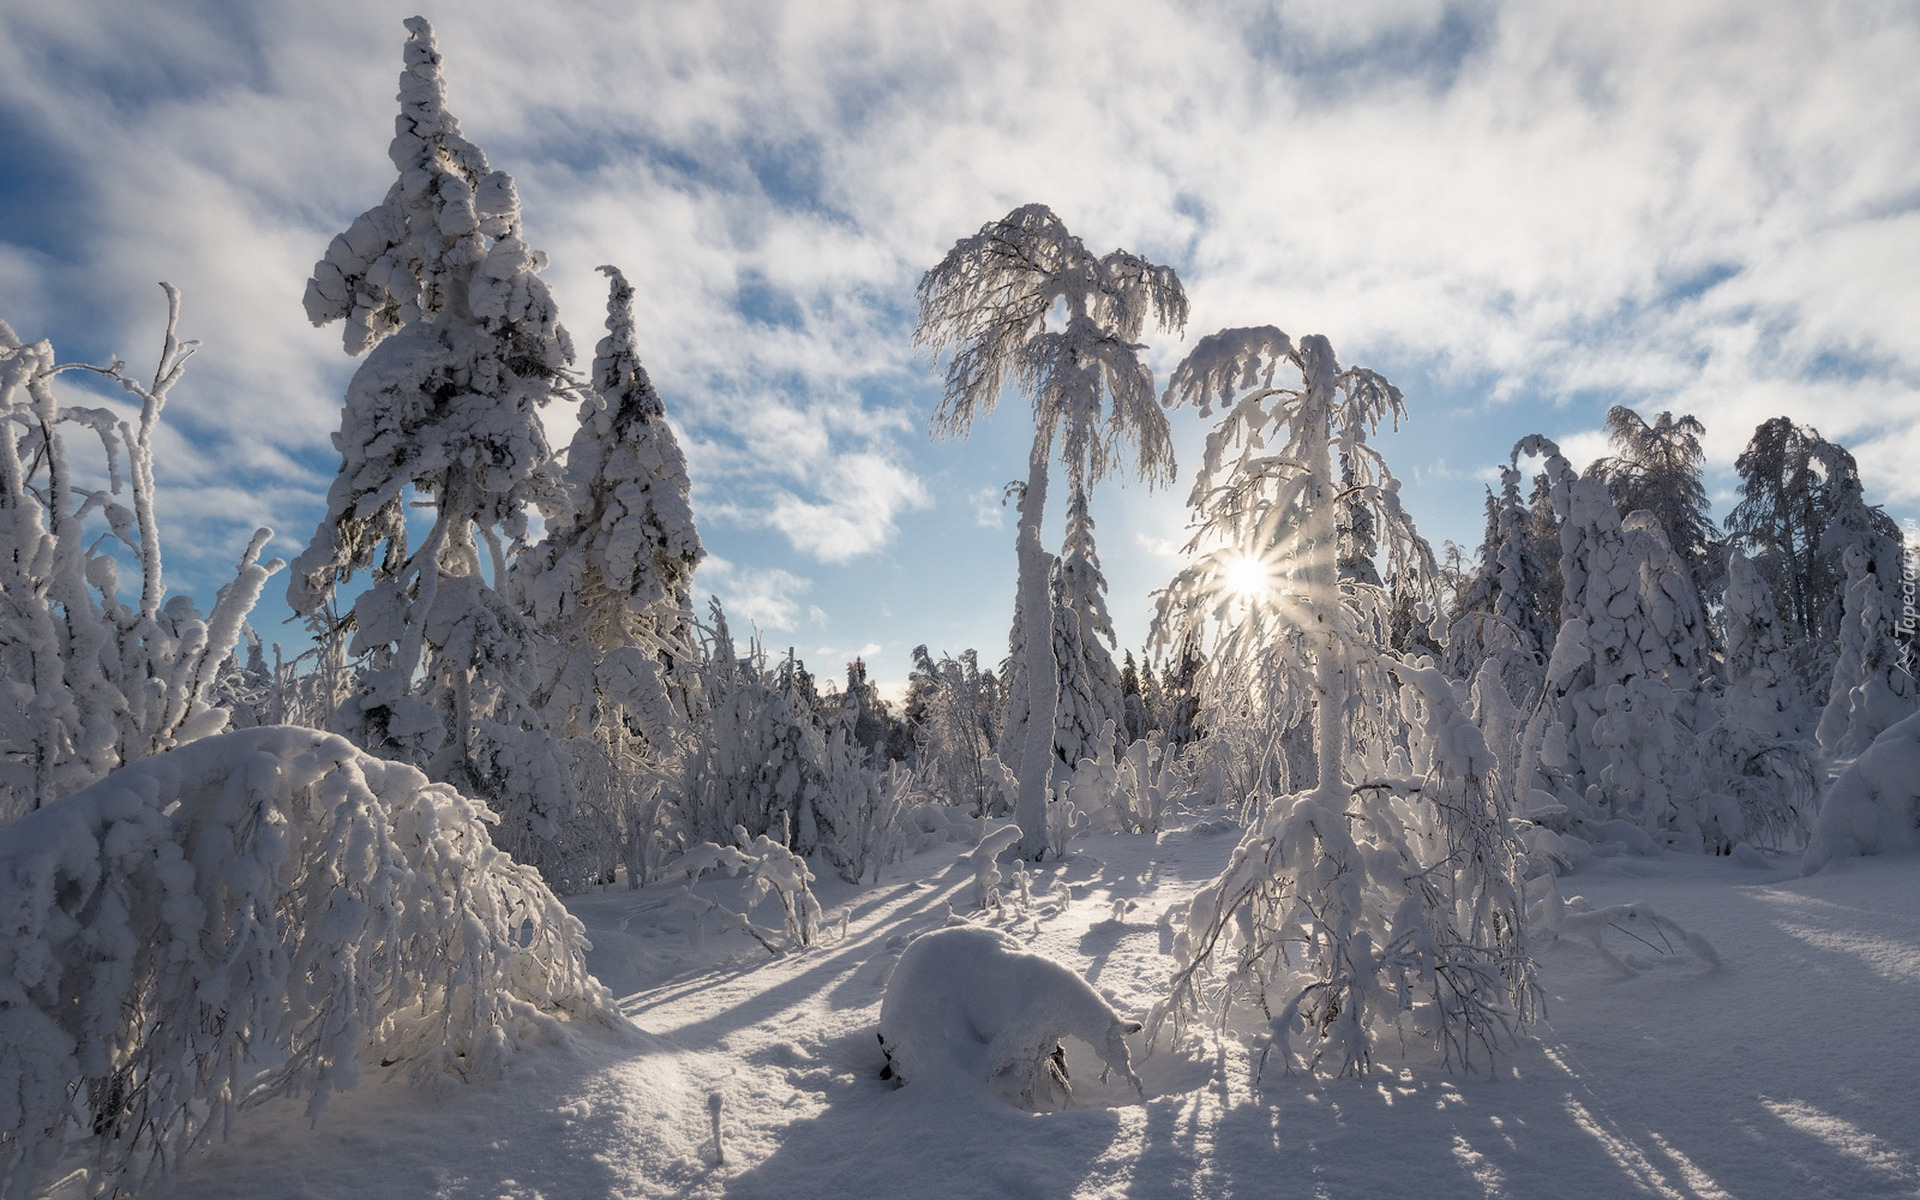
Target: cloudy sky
(1520, 213)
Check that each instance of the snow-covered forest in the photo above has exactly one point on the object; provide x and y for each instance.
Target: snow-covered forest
(1583, 861)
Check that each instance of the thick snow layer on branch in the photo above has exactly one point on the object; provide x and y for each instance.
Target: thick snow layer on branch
(272, 897)
(967, 1003)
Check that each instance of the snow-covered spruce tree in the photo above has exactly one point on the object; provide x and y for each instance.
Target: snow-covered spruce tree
(1759, 750)
(267, 898)
(984, 309)
(1386, 894)
(611, 583)
(1500, 612)
(89, 681)
(1657, 467)
(1871, 689)
(463, 348)
(1082, 641)
(609, 588)
(1614, 733)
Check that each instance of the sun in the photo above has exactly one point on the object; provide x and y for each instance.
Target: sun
(1248, 577)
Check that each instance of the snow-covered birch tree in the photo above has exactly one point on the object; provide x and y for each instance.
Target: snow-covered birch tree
(1386, 893)
(987, 311)
(463, 347)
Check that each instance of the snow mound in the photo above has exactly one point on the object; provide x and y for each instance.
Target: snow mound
(1874, 806)
(967, 1003)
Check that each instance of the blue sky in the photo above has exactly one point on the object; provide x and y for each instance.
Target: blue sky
(1521, 214)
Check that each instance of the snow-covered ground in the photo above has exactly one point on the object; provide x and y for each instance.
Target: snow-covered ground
(1791, 1069)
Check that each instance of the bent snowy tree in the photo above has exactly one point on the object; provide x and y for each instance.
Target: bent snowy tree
(985, 311)
(1387, 892)
(268, 898)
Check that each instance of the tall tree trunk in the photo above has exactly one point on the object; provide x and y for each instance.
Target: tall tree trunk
(1040, 675)
(1330, 682)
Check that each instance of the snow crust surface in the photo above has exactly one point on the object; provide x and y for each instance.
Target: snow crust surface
(1791, 1069)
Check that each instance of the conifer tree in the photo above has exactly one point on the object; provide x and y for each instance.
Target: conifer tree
(1082, 637)
(1657, 468)
(1502, 611)
(463, 348)
(1615, 729)
(1760, 749)
(611, 583)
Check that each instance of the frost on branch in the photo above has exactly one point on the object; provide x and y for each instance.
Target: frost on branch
(968, 1005)
(272, 897)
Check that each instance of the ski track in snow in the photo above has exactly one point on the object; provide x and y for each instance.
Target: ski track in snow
(1791, 1070)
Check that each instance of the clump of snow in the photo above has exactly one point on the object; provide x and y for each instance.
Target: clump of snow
(968, 1003)
(1874, 806)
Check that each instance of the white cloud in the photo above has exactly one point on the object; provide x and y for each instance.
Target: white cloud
(864, 494)
(990, 507)
(1708, 207)
(765, 598)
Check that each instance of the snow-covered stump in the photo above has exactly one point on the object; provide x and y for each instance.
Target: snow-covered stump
(271, 898)
(967, 1004)
(1874, 806)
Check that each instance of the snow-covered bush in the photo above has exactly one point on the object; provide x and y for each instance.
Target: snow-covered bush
(772, 870)
(984, 861)
(89, 681)
(270, 898)
(968, 1005)
(1874, 805)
